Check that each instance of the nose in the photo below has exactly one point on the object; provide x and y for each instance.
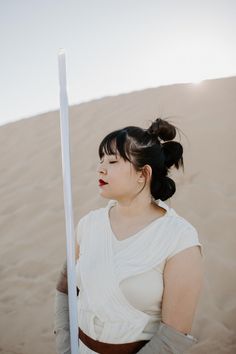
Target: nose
(100, 169)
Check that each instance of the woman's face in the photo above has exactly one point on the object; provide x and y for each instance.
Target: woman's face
(121, 178)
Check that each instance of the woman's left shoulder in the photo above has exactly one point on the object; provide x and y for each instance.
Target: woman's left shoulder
(185, 235)
(176, 220)
(180, 224)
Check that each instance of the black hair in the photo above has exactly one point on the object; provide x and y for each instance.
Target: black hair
(144, 147)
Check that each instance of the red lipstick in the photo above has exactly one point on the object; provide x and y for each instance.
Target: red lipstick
(101, 182)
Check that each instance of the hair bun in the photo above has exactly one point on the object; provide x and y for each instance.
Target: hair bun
(167, 188)
(160, 129)
(173, 152)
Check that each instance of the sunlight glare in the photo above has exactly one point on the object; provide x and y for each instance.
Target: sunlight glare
(197, 82)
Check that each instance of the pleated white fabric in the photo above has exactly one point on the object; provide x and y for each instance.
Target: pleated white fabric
(100, 271)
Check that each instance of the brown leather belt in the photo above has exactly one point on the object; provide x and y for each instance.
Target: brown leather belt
(108, 348)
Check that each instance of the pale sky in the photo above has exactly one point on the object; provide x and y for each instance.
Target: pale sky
(112, 47)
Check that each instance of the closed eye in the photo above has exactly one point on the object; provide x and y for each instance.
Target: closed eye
(109, 161)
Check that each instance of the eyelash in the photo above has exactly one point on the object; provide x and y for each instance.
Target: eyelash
(109, 162)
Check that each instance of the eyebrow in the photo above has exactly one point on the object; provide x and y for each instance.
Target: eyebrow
(116, 156)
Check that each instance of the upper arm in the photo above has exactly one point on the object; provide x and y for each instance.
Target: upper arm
(183, 280)
(79, 233)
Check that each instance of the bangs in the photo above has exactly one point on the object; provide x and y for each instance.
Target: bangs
(115, 143)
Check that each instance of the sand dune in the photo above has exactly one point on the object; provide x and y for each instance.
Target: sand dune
(32, 243)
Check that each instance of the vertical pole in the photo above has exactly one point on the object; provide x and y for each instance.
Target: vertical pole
(70, 239)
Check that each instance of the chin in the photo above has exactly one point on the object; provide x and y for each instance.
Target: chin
(106, 195)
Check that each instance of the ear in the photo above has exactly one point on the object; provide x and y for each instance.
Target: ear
(146, 173)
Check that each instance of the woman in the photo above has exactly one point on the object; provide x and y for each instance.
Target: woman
(139, 264)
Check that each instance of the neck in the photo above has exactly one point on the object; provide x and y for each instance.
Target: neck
(129, 208)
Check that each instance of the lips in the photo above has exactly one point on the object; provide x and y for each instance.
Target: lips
(101, 182)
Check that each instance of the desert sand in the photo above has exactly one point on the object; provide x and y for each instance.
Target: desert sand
(33, 243)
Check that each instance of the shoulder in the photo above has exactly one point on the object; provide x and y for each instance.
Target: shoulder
(93, 213)
(178, 224)
(184, 235)
(175, 221)
(86, 220)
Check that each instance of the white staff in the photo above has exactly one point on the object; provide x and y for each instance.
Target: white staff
(70, 245)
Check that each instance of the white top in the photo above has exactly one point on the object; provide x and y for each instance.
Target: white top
(141, 284)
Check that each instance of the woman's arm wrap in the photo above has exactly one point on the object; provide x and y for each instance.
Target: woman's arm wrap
(61, 314)
(167, 340)
(61, 323)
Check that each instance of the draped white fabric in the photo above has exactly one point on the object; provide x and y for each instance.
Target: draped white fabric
(100, 271)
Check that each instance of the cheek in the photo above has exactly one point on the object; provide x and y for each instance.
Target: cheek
(128, 181)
